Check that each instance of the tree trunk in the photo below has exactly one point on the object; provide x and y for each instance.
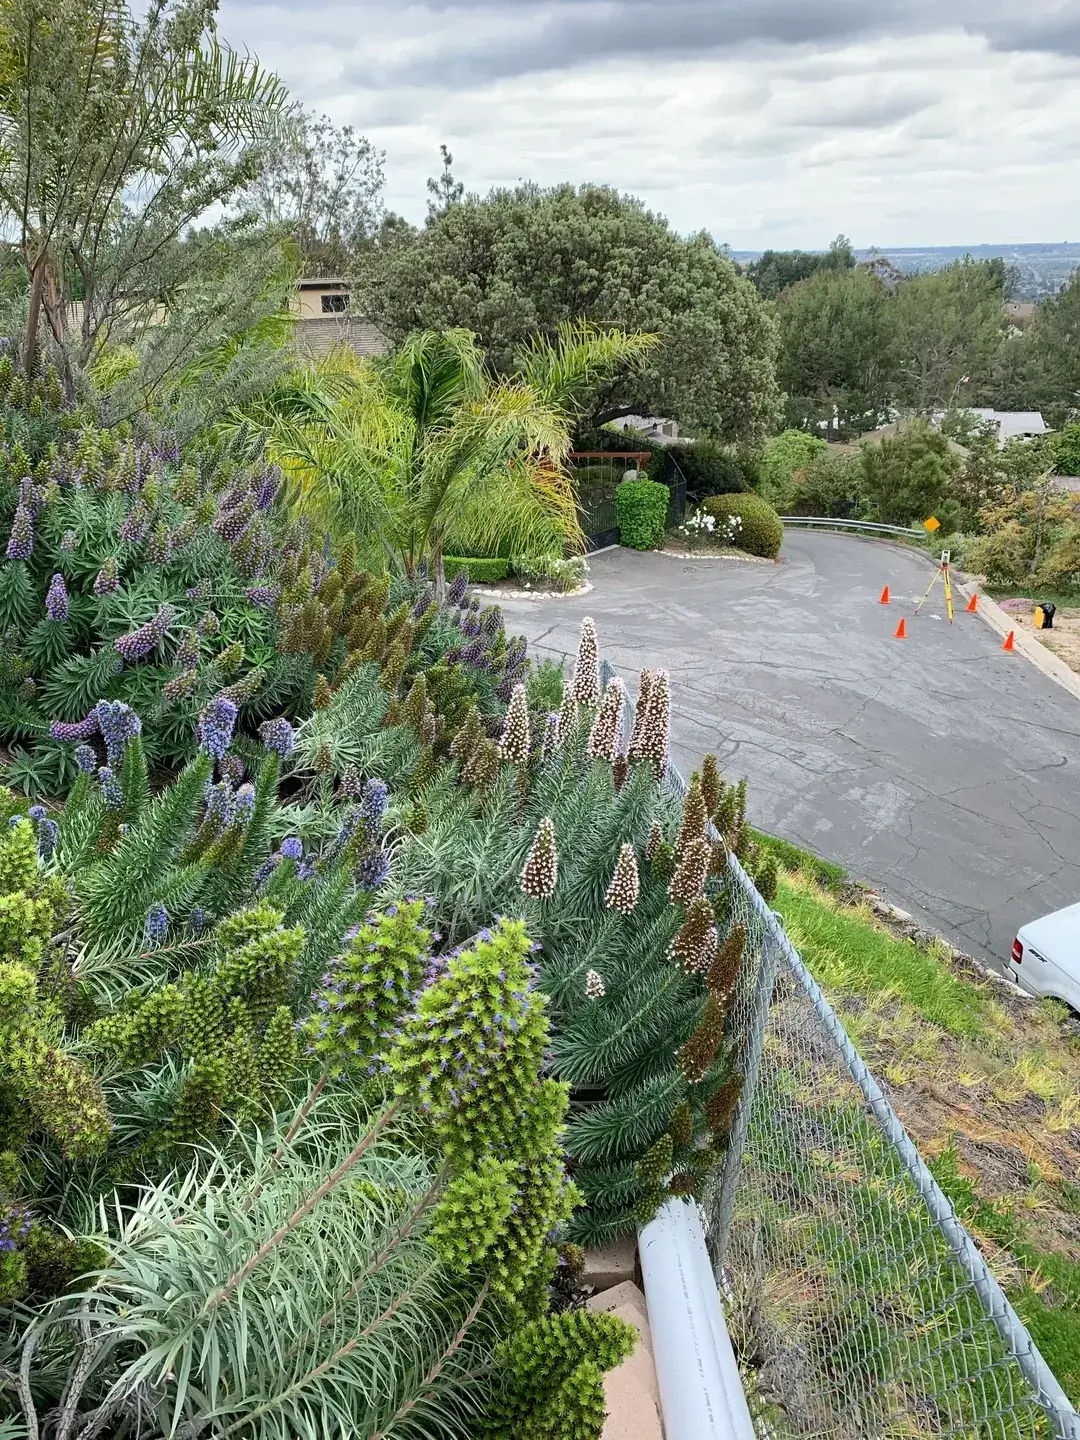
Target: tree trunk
(440, 577)
(37, 289)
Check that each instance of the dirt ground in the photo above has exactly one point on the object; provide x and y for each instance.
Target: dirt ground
(1063, 639)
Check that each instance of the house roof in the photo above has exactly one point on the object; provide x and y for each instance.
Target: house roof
(1011, 423)
(321, 282)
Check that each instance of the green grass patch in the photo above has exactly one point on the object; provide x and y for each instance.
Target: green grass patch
(849, 954)
(792, 857)
(1056, 1332)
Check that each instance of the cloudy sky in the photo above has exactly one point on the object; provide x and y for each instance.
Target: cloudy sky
(766, 122)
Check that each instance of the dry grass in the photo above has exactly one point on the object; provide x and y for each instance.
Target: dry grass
(967, 1063)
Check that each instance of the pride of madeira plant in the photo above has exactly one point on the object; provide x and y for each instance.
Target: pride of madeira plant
(132, 575)
(310, 1157)
(625, 889)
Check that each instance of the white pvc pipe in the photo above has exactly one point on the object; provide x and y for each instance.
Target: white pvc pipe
(701, 1392)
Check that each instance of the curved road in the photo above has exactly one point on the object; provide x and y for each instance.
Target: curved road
(941, 770)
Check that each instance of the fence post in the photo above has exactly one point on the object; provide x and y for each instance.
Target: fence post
(753, 1047)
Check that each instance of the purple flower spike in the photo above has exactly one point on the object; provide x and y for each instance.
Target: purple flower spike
(69, 541)
(111, 789)
(157, 923)
(277, 735)
(372, 872)
(292, 848)
(67, 731)
(219, 805)
(215, 729)
(198, 919)
(268, 486)
(86, 759)
(57, 603)
(263, 597)
(21, 543)
(373, 803)
(455, 593)
(118, 724)
(245, 804)
(138, 643)
(46, 839)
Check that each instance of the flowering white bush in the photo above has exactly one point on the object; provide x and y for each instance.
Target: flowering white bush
(697, 527)
(703, 527)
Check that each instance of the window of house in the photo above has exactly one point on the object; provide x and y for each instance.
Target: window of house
(335, 304)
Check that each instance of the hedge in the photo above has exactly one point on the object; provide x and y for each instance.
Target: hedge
(642, 507)
(480, 568)
(714, 469)
(762, 532)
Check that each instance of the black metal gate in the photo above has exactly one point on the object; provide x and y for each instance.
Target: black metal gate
(596, 473)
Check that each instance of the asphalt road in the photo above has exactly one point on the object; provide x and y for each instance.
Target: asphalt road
(939, 769)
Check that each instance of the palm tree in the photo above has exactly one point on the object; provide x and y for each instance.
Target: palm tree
(426, 449)
(120, 125)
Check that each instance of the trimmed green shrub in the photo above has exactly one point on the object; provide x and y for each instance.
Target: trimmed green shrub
(762, 531)
(482, 569)
(642, 507)
(907, 478)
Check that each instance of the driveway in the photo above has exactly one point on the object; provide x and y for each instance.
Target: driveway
(941, 770)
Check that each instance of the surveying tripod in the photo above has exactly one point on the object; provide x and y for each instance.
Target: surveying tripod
(941, 573)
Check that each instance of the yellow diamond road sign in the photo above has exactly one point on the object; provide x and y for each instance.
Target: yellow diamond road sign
(932, 524)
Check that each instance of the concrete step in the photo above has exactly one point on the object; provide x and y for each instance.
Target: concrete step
(630, 1390)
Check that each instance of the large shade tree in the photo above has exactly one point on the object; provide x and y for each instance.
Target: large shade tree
(837, 347)
(1040, 370)
(775, 270)
(323, 184)
(949, 327)
(118, 131)
(523, 262)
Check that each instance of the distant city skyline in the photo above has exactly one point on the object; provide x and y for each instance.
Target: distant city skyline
(766, 122)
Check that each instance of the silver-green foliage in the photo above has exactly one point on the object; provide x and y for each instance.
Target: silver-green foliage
(283, 1288)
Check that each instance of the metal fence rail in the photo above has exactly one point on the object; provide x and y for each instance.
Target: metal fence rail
(860, 1307)
(869, 526)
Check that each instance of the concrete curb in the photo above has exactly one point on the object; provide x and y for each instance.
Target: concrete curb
(725, 555)
(1051, 665)
(1043, 659)
(585, 589)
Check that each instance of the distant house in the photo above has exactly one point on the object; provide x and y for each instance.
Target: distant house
(654, 427)
(325, 319)
(1009, 424)
(1019, 313)
(1012, 424)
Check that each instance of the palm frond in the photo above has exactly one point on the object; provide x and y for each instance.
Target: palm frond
(581, 356)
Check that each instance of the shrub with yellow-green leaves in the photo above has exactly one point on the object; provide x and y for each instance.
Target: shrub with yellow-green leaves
(549, 1381)
(368, 987)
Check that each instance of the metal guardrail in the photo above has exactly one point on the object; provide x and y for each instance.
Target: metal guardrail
(853, 1293)
(869, 526)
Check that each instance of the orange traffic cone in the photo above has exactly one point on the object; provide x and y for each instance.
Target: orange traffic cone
(900, 632)
(1010, 641)
(884, 596)
(972, 605)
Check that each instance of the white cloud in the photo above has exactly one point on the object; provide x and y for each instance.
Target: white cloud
(932, 124)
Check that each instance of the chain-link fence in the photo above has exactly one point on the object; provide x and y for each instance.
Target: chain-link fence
(859, 1306)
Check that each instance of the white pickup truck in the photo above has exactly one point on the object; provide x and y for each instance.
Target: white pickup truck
(1046, 956)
